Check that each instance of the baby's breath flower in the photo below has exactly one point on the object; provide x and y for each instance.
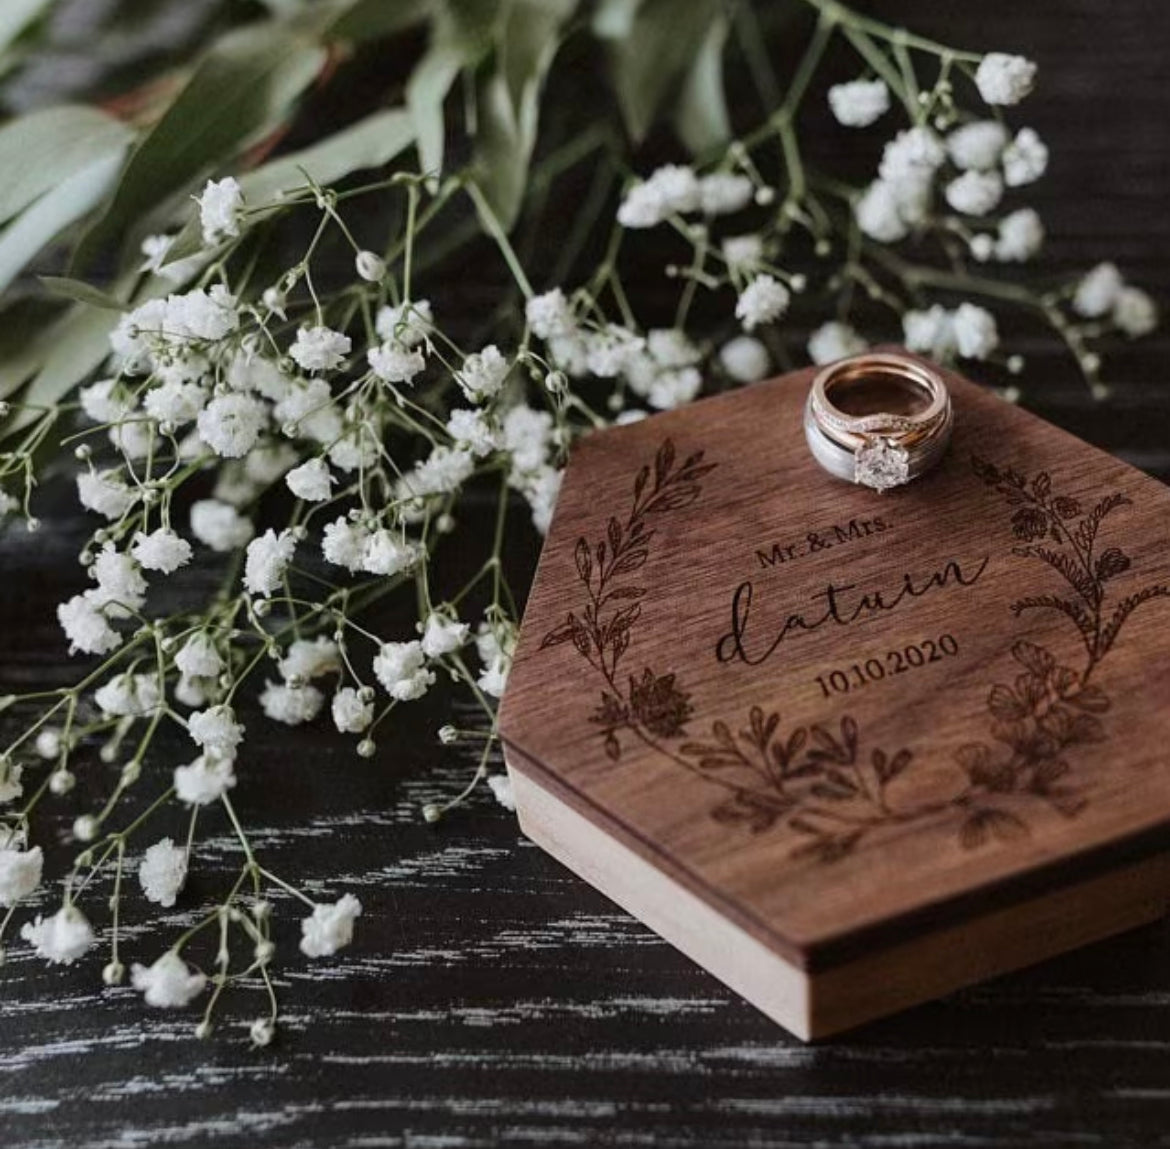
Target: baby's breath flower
(231, 424)
(319, 349)
(216, 730)
(1025, 159)
(163, 872)
(549, 315)
(205, 780)
(722, 193)
(1097, 291)
(501, 788)
(977, 146)
(1134, 312)
(764, 300)
(832, 341)
(330, 927)
(20, 872)
(161, 550)
(198, 657)
(351, 713)
(442, 635)
(292, 705)
(745, 359)
(86, 627)
(975, 331)
(407, 324)
(311, 481)
(401, 669)
(169, 983)
(268, 558)
(309, 658)
(1021, 235)
(472, 431)
(484, 372)
(220, 208)
(1004, 79)
(858, 103)
(743, 252)
(62, 938)
(219, 525)
(105, 492)
(393, 363)
(975, 192)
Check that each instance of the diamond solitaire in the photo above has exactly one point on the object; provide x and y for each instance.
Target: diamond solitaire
(881, 464)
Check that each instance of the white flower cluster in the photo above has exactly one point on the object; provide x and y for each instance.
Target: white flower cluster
(675, 190)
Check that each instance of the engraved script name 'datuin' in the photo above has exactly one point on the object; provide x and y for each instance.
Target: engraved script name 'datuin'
(822, 784)
(839, 603)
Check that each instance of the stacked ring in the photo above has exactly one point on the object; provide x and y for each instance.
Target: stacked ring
(880, 420)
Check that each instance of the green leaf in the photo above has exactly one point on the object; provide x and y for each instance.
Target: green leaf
(461, 36)
(369, 143)
(17, 15)
(376, 19)
(509, 101)
(528, 40)
(65, 353)
(41, 150)
(81, 292)
(426, 92)
(41, 223)
(240, 90)
(701, 118)
(649, 61)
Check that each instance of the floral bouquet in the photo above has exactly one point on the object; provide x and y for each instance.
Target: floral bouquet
(262, 363)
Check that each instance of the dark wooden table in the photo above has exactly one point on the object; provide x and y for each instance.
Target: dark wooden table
(490, 997)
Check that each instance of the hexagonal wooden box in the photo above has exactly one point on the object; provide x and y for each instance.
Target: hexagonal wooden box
(850, 751)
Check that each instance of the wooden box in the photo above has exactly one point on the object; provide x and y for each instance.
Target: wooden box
(849, 750)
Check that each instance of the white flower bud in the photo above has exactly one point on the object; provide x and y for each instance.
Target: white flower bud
(262, 1032)
(85, 828)
(371, 267)
(448, 734)
(264, 951)
(203, 1030)
(431, 812)
(366, 748)
(114, 973)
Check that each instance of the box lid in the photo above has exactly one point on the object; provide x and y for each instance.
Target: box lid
(842, 716)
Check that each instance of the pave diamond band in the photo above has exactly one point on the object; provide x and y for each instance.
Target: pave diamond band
(879, 420)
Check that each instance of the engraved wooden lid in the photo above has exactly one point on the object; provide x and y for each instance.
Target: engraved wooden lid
(842, 717)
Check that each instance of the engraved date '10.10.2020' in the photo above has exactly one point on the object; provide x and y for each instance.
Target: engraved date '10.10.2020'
(817, 781)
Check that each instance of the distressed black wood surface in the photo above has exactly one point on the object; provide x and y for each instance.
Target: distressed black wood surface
(491, 998)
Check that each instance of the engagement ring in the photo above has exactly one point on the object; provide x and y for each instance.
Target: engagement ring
(878, 419)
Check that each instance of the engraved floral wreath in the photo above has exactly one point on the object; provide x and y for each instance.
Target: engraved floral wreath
(816, 781)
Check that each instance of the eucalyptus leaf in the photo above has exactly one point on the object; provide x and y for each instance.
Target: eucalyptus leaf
(376, 19)
(650, 60)
(81, 292)
(701, 117)
(509, 101)
(426, 92)
(369, 143)
(41, 223)
(17, 15)
(44, 148)
(65, 353)
(242, 88)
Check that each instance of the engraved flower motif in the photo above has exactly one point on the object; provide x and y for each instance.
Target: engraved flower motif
(658, 705)
(1029, 523)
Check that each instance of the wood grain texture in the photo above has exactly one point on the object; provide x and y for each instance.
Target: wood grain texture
(493, 999)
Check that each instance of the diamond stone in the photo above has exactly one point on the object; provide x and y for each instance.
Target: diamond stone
(881, 464)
